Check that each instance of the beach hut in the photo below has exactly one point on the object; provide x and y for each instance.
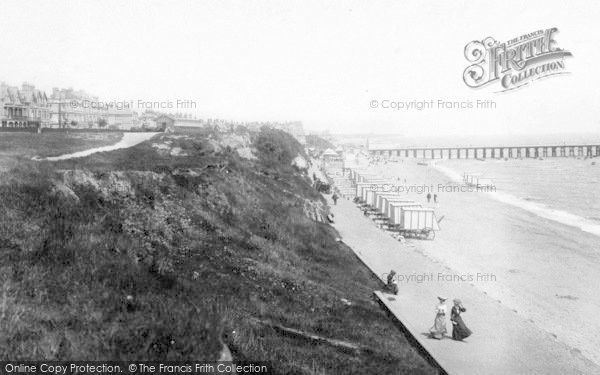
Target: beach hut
(364, 177)
(380, 199)
(367, 189)
(389, 200)
(361, 189)
(419, 222)
(395, 211)
(377, 189)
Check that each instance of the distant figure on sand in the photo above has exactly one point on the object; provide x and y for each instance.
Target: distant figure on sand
(434, 198)
(428, 197)
(439, 325)
(459, 329)
(335, 198)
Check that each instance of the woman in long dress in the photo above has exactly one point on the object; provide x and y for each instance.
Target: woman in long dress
(459, 328)
(439, 325)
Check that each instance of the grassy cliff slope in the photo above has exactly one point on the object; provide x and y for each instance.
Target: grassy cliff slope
(175, 247)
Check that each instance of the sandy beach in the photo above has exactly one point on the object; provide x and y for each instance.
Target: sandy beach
(543, 270)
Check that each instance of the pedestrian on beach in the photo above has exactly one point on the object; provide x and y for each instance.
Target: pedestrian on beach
(335, 198)
(428, 197)
(434, 198)
(439, 325)
(459, 329)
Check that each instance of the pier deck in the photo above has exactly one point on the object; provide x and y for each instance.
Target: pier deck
(494, 152)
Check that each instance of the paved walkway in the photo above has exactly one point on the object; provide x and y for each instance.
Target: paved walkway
(502, 342)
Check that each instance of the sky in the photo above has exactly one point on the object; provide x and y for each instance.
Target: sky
(322, 63)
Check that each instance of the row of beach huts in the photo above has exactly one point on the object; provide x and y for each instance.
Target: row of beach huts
(391, 210)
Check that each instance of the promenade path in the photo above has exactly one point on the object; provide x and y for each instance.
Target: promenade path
(502, 343)
(128, 140)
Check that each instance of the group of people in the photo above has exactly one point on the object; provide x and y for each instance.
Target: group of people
(460, 330)
(435, 198)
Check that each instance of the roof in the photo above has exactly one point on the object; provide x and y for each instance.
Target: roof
(398, 200)
(330, 152)
(165, 116)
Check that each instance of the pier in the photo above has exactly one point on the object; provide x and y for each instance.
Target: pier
(486, 152)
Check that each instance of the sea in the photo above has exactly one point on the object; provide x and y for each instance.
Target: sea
(561, 189)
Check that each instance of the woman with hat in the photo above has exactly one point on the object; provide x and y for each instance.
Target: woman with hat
(459, 329)
(439, 325)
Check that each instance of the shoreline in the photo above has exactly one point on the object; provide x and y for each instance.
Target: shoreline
(539, 209)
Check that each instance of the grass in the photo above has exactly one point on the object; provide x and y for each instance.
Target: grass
(136, 254)
(15, 146)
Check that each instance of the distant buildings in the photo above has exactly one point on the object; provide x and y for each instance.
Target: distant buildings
(26, 107)
(78, 109)
(165, 123)
(185, 122)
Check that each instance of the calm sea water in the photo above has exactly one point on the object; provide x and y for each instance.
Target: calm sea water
(561, 183)
(561, 189)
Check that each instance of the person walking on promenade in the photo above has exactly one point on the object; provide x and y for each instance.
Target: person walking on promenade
(392, 282)
(459, 329)
(434, 198)
(439, 325)
(335, 198)
(428, 197)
